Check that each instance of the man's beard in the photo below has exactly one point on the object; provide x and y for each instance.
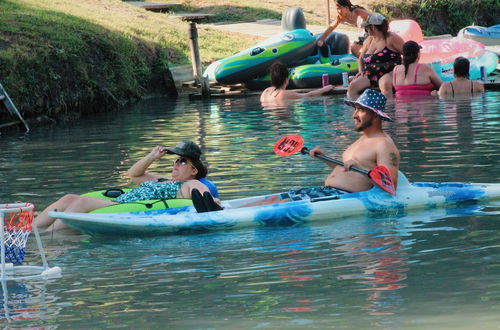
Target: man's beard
(365, 125)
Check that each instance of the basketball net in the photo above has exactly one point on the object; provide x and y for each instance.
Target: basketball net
(18, 219)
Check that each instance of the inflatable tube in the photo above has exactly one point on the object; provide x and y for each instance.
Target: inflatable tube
(407, 29)
(139, 206)
(489, 36)
(287, 47)
(447, 50)
(310, 75)
(293, 19)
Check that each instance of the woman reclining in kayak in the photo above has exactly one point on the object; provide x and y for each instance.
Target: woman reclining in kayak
(188, 173)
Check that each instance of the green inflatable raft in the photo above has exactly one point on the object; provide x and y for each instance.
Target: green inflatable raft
(139, 206)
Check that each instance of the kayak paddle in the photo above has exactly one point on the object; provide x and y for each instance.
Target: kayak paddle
(291, 144)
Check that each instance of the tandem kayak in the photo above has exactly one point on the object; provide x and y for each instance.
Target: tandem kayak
(410, 196)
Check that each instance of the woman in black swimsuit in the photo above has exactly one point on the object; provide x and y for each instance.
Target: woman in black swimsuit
(461, 85)
(378, 57)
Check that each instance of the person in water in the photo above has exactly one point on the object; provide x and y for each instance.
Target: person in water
(277, 94)
(373, 148)
(413, 78)
(350, 14)
(186, 174)
(378, 57)
(461, 85)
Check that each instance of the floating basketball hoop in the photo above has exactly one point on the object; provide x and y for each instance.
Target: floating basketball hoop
(16, 224)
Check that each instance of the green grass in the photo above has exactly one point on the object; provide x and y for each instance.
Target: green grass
(83, 56)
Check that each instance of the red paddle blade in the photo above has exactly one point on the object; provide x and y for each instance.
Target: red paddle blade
(381, 176)
(288, 145)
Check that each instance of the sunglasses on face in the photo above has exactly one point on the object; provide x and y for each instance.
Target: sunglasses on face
(183, 162)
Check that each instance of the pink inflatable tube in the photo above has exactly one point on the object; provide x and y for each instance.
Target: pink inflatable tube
(447, 50)
(407, 29)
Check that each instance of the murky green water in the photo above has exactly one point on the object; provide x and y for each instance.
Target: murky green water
(434, 270)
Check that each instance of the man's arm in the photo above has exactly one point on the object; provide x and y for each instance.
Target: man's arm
(388, 156)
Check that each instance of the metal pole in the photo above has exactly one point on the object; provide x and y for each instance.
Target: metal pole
(327, 12)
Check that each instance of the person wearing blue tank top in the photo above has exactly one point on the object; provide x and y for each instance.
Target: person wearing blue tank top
(188, 173)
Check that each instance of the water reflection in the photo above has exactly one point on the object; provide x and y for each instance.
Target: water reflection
(25, 304)
(356, 273)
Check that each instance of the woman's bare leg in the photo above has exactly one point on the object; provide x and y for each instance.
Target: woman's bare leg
(69, 203)
(357, 86)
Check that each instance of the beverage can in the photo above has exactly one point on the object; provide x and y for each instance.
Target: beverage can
(324, 79)
(345, 79)
(483, 73)
(436, 65)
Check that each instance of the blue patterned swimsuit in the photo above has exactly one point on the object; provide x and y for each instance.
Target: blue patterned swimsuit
(151, 190)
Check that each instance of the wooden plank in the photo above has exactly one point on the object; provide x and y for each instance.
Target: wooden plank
(155, 6)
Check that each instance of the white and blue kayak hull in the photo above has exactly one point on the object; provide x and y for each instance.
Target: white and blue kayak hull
(372, 202)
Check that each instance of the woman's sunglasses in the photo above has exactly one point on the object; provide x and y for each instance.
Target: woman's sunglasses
(183, 162)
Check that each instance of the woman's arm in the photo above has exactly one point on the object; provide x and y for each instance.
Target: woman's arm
(361, 58)
(434, 77)
(289, 95)
(137, 173)
(319, 91)
(327, 32)
(395, 42)
(478, 87)
(444, 89)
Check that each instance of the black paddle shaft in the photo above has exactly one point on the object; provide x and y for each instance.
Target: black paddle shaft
(305, 151)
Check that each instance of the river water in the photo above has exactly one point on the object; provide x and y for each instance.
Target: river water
(430, 270)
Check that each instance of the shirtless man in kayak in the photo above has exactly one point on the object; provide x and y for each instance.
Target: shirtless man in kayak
(373, 148)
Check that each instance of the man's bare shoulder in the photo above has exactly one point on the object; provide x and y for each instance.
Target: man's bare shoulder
(384, 141)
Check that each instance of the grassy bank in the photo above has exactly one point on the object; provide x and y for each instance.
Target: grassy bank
(60, 58)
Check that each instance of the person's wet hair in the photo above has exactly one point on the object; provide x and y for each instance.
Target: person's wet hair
(279, 74)
(411, 49)
(202, 169)
(461, 67)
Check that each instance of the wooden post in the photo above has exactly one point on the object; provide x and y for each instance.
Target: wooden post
(328, 13)
(195, 50)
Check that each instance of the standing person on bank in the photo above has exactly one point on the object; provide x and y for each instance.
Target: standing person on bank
(348, 13)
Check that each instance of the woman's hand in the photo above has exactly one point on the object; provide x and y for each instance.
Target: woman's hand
(157, 152)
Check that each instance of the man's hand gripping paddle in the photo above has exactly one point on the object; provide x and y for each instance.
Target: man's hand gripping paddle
(291, 144)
